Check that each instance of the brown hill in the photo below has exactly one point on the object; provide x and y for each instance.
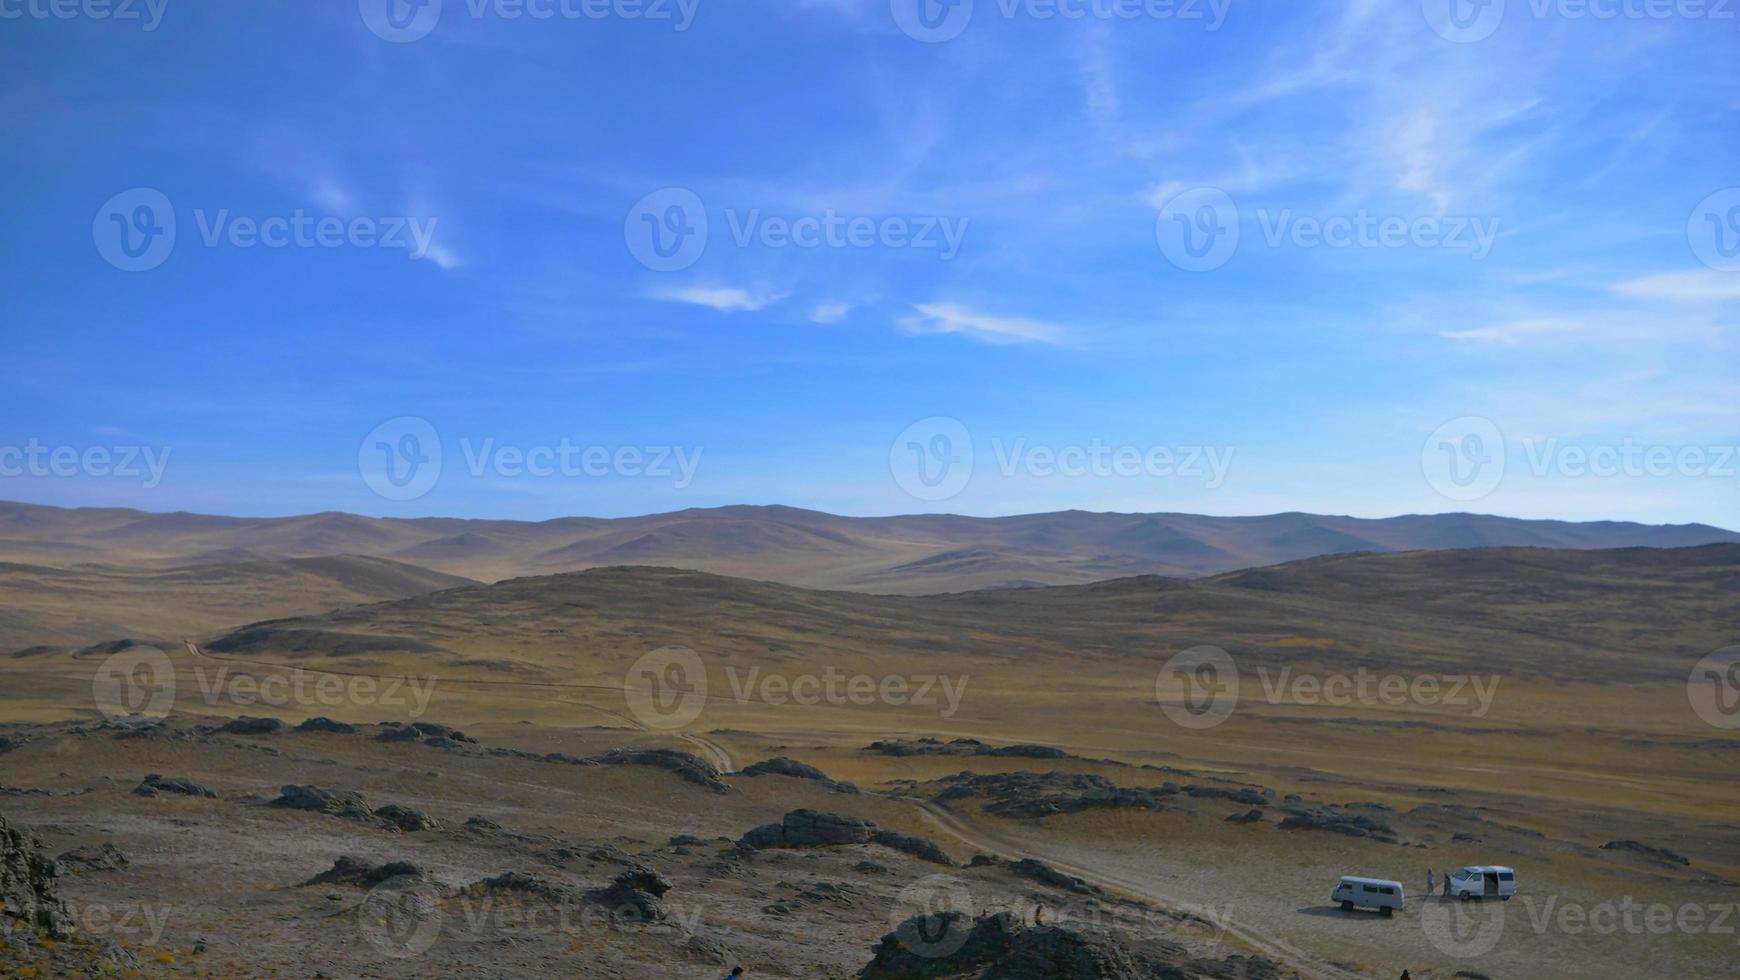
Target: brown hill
(910, 555)
(1601, 616)
(72, 607)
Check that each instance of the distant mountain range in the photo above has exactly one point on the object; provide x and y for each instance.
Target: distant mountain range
(909, 555)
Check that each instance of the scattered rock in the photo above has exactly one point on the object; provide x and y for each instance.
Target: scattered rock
(964, 746)
(327, 725)
(919, 847)
(808, 828)
(155, 785)
(1047, 875)
(1253, 815)
(1336, 822)
(688, 767)
(313, 799)
(791, 767)
(524, 884)
(27, 884)
(349, 870)
(635, 895)
(406, 819)
(103, 857)
(253, 726)
(1658, 854)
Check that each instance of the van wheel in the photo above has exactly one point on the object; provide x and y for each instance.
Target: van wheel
(1385, 911)
(1466, 896)
(1347, 906)
(1504, 898)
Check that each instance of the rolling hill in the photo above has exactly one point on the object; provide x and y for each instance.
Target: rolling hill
(908, 555)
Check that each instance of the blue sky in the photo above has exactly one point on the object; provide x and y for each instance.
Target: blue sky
(988, 277)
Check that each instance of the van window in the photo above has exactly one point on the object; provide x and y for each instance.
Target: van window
(1387, 890)
(1506, 876)
(1368, 888)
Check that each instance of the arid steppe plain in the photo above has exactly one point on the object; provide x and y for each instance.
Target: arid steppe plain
(1187, 752)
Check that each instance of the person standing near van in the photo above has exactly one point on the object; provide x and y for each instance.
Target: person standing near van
(1430, 882)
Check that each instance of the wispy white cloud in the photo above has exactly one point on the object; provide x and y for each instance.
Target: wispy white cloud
(1691, 286)
(725, 299)
(443, 257)
(829, 312)
(950, 318)
(333, 196)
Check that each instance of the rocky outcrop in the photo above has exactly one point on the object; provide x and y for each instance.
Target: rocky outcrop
(349, 870)
(686, 766)
(1001, 947)
(997, 946)
(1045, 874)
(1336, 822)
(156, 785)
(103, 857)
(314, 799)
(351, 806)
(328, 726)
(28, 895)
(1660, 855)
(918, 847)
(635, 895)
(253, 726)
(797, 770)
(808, 828)
(964, 746)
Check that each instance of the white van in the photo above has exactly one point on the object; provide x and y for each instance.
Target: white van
(1483, 881)
(1370, 893)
